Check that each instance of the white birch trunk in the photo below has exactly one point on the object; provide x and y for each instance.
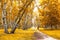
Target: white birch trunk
(4, 14)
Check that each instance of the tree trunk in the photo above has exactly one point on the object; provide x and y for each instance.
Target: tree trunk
(20, 17)
(4, 14)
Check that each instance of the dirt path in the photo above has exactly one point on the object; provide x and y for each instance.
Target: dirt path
(41, 36)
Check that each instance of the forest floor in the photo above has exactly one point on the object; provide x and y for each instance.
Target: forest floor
(27, 34)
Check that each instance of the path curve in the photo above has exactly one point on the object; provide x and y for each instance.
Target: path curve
(41, 36)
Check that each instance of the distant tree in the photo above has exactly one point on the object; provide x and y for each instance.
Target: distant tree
(49, 12)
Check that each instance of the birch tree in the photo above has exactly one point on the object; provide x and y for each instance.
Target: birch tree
(18, 19)
(4, 14)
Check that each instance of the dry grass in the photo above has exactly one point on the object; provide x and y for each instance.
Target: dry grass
(27, 34)
(52, 33)
(19, 35)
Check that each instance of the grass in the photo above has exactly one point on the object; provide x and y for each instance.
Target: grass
(19, 35)
(27, 34)
(52, 33)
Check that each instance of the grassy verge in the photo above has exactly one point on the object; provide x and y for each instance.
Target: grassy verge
(52, 33)
(18, 35)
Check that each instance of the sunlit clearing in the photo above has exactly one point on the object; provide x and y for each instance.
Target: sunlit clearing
(33, 19)
(33, 22)
(35, 9)
(34, 28)
(35, 15)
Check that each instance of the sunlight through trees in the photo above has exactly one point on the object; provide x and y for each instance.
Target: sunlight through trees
(25, 14)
